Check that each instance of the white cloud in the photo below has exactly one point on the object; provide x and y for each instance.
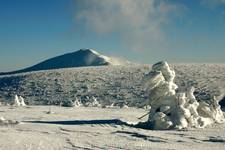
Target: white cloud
(138, 22)
(212, 3)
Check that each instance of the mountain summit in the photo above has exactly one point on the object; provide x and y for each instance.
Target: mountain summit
(80, 58)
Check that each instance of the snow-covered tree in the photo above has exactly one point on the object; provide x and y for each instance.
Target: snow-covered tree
(172, 107)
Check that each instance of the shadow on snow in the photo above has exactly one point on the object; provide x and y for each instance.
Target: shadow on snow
(81, 122)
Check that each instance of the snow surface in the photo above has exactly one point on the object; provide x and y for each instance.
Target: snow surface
(109, 84)
(97, 128)
(54, 127)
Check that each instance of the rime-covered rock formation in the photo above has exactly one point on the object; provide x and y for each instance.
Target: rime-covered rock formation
(18, 101)
(94, 103)
(4, 122)
(173, 107)
(77, 103)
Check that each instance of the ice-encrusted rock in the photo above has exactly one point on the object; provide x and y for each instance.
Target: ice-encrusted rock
(4, 122)
(22, 103)
(18, 101)
(125, 106)
(110, 106)
(93, 103)
(2, 119)
(172, 107)
(77, 103)
(67, 103)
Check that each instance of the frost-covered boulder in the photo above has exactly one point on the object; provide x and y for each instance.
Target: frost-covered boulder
(173, 107)
(93, 102)
(22, 103)
(67, 103)
(4, 122)
(110, 106)
(18, 101)
(125, 106)
(77, 103)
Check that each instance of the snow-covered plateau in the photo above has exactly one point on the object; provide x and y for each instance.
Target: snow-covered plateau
(104, 104)
(108, 84)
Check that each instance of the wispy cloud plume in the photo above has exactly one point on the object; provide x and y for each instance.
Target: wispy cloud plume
(213, 3)
(139, 23)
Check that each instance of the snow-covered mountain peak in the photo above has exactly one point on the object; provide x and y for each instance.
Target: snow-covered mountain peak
(80, 58)
(89, 50)
(109, 60)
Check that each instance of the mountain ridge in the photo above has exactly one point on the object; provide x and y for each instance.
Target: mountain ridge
(80, 58)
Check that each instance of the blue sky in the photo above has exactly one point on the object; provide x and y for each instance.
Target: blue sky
(142, 31)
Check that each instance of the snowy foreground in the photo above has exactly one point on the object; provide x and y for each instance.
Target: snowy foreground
(97, 128)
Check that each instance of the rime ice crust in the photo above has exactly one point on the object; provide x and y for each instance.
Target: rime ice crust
(18, 101)
(172, 107)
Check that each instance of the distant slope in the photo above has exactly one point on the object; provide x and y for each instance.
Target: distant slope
(80, 58)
